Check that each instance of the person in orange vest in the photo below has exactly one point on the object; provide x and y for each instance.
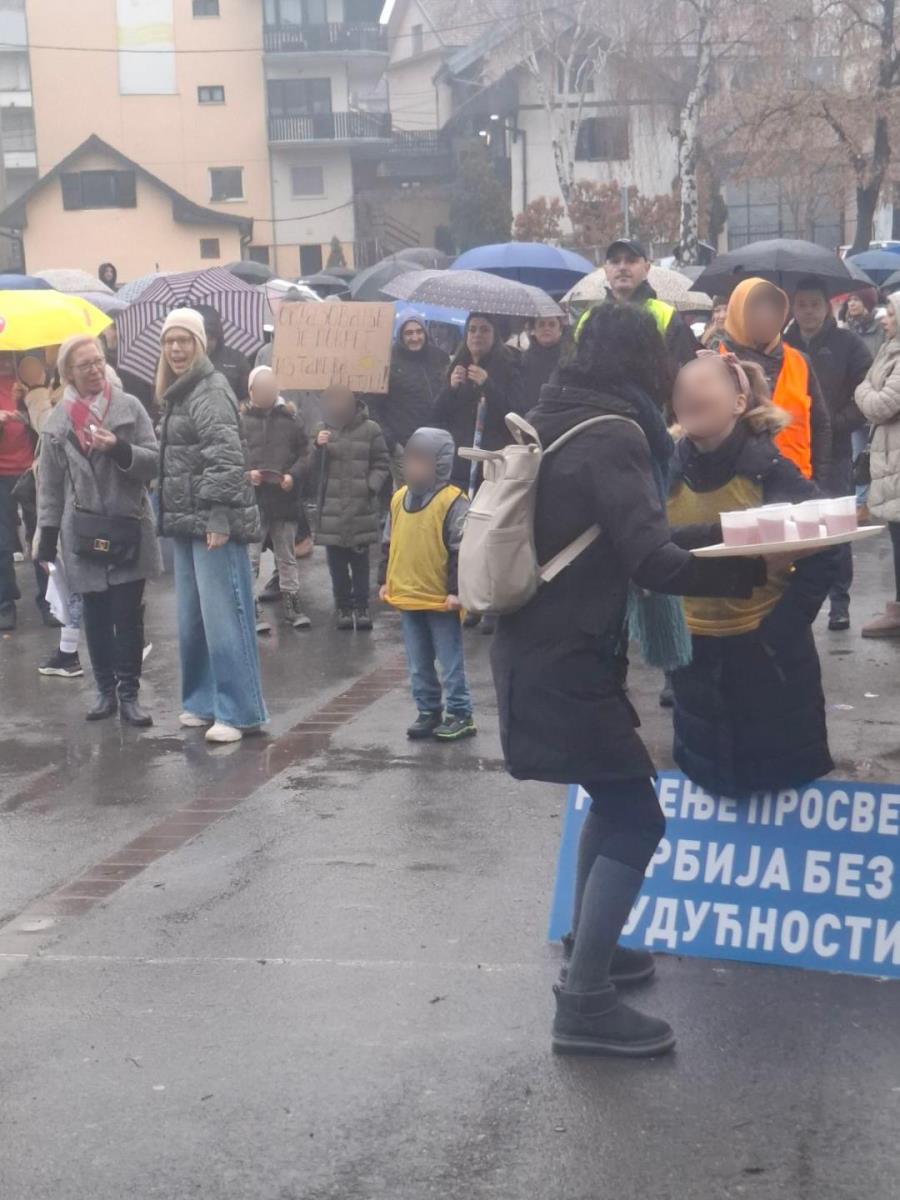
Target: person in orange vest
(757, 314)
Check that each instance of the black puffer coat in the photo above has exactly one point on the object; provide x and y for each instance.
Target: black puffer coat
(841, 361)
(276, 441)
(415, 382)
(456, 408)
(538, 366)
(356, 465)
(203, 486)
(749, 710)
(559, 663)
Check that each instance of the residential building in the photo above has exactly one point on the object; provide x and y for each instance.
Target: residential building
(18, 161)
(327, 124)
(97, 205)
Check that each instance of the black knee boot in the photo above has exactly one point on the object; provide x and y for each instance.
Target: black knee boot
(129, 658)
(100, 637)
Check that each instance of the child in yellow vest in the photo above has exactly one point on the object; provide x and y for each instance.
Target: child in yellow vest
(749, 708)
(418, 577)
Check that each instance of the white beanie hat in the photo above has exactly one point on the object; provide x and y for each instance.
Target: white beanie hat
(188, 319)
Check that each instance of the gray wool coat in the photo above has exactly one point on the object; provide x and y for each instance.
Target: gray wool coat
(100, 486)
(203, 485)
(356, 466)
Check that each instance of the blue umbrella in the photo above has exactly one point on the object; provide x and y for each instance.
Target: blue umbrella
(548, 267)
(23, 283)
(877, 264)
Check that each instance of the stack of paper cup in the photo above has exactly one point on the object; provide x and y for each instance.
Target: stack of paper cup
(839, 514)
(807, 517)
(772, 519)
(740, 528)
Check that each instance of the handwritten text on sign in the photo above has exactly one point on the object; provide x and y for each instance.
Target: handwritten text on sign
(320, 344)
(806, 877)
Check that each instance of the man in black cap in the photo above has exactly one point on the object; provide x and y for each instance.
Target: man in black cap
(627, 267)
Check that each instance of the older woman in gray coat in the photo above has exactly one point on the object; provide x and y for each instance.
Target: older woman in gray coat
(98, 453)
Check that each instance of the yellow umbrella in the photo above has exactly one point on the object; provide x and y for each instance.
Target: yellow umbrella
(45, 318)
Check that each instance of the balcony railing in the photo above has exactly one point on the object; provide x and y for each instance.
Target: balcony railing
(422, 141)
(330, 127)
(278, 39)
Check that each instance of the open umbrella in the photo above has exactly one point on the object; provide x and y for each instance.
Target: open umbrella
(107, 302)
(129, 292)
(877, 264)
(73, 281)
(326, 284)
(250, 271)
(475, 291)
(548, 267)
(240, 306)
(23, 283)
(369, 284)
(673, 287)
(29, 319)
(783, 261)
(426, 257)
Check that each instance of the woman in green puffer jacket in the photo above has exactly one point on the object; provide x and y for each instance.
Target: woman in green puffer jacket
(207, 506)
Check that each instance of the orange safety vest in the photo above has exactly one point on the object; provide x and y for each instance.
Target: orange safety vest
(792, 394)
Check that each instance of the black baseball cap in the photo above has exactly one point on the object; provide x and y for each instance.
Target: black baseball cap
(631, 244)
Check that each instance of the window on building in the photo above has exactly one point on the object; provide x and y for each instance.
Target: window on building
(99, 189)
(211, 94)
(417, 39)
(310, 258)
(298, 97)
(295, 12)
(307, 181)
(259, 254)
(206, 8)
(226, 183)
(17, 128)
(209, 248)
(602, 139)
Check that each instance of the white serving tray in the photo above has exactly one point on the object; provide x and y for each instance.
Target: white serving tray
(721, 550)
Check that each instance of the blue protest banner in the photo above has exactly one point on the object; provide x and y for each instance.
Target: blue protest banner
(805, 877)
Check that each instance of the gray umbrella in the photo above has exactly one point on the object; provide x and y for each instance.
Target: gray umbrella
(426, 257)
(475, 291)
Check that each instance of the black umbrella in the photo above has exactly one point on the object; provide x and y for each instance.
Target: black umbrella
(323, 283)
(250, 272)
(425, 256)
(369, 283)
(783, 261)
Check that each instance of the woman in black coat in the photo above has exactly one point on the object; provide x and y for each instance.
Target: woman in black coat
(485, 376)
(559, 663)
(417, 377)
(749, 707)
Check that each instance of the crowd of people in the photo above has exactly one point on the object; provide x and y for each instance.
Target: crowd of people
(782, 402)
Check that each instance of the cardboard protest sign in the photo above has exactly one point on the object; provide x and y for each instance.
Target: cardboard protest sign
(320, 344)
(805, 877)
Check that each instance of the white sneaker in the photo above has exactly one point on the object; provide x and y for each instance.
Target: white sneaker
(221, 732)
(192, 721)
(18, 556)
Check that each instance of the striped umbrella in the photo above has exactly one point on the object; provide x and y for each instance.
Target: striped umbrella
(240, 306)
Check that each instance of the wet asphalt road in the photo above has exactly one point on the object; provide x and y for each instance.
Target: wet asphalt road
(340, 989)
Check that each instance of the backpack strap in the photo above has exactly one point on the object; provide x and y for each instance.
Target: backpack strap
(569, 553)
(582, 425)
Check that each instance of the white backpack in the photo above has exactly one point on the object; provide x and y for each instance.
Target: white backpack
(499, 570)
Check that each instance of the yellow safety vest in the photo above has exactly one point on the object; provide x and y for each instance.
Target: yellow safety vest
(661, 313)
(417, 564)
(724, 616)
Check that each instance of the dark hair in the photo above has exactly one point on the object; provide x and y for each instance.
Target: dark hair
(112, 268)
(462, 357)
(812, 283)
(619, 344)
